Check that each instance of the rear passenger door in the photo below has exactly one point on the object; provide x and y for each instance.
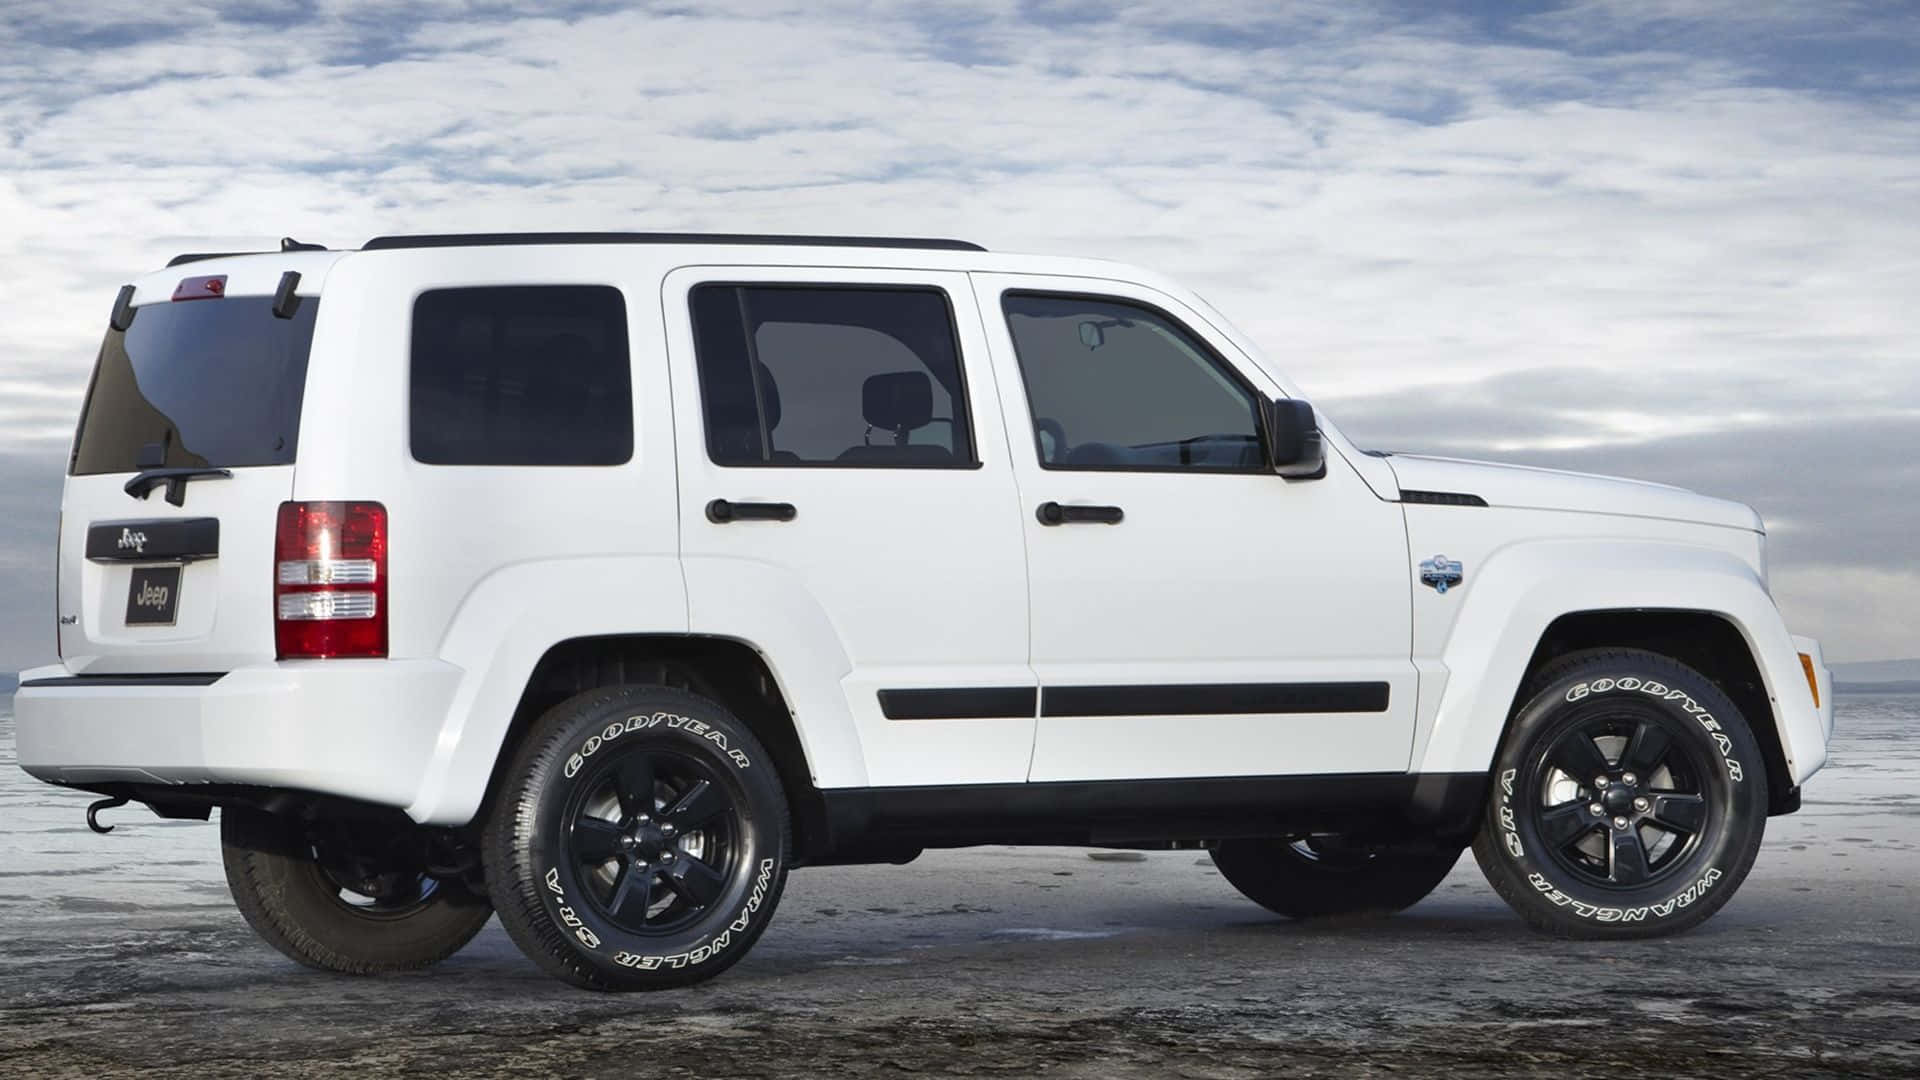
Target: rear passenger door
(848, 507)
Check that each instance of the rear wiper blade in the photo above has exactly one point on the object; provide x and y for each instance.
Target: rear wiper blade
(176, 480)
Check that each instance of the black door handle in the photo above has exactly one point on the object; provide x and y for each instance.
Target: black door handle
(720, 511)
(1053, 513)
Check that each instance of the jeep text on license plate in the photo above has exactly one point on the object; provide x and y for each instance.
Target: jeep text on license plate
(153, 596)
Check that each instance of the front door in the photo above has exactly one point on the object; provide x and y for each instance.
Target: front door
(1192, 614)
(846, 505)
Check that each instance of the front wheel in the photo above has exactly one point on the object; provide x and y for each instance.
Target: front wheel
(1628, 801)
(640, 841)
(1311, 877)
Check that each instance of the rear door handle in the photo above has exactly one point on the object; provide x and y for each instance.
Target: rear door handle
(1053, 513)
(720, 511)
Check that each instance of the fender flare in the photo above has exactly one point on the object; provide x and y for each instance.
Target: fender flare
(1520, 590)
(515, 615)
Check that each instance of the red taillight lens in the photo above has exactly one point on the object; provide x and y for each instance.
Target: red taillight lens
(330, 580)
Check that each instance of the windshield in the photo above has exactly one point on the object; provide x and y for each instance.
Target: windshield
(201, 383)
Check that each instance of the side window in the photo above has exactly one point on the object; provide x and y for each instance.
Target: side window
(830, 375)
(521, 375)
(1117, 386)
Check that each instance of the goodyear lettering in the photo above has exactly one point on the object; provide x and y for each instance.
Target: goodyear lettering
(1633, 684)
(618, 728)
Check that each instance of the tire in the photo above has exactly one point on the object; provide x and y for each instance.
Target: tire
(640, 840)
(286, 877)
(1681, 814)
(1314, 878)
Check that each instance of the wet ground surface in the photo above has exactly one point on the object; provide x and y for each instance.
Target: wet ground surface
(121, 954)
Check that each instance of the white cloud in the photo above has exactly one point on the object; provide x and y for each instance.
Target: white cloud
(1714, 192)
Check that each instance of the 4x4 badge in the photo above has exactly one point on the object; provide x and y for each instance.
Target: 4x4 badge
(1442, 573)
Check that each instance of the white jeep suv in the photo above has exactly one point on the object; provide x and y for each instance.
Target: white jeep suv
(598, 580)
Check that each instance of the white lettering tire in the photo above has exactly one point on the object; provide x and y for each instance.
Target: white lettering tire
(1628, 799)
(640, 840)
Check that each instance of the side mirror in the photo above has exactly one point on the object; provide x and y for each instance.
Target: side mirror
(1293, 440)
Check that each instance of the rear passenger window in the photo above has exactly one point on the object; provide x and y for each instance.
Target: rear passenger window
(521, 375)
(830, 375)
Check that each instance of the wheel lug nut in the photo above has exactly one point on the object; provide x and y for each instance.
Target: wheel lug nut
(1596, 808)
(1619, 823)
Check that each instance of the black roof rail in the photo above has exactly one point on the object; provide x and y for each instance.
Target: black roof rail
(287, 243)
(432, 240)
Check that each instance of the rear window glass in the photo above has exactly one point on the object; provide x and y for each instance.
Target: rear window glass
(201, 383)
(521, 375)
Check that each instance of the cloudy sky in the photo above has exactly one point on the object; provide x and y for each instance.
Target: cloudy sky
(1676, 240)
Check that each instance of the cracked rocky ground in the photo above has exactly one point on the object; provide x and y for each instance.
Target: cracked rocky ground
(121, 954)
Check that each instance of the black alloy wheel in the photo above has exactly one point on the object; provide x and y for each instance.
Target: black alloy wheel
(652, 839)
(1621, 803)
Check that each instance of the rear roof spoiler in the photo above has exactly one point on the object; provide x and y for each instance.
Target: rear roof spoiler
(287, 243)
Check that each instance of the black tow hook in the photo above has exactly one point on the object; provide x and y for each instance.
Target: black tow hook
(104, 804)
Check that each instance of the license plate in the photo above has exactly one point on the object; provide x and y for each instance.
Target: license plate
(153, 596)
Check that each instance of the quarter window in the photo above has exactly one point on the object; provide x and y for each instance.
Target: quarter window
(1117, 386)
(830, 375)
(521, 375)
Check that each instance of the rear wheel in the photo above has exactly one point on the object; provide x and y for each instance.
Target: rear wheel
(1629, 799)
(347, 896)
(640, 841)
(1309, 877)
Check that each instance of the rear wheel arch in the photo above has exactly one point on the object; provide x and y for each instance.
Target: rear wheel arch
(729, 671)
(1705, 641)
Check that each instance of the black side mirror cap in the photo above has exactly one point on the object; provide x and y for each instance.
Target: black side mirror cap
(1294, 449)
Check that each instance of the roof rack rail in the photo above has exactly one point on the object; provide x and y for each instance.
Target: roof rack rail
(287, 243)
(432, 240)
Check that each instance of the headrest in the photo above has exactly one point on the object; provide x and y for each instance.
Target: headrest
(898, 400)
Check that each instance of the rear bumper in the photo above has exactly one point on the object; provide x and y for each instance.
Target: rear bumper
(357, 729)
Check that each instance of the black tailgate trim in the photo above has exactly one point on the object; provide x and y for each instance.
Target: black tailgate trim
(156, 540)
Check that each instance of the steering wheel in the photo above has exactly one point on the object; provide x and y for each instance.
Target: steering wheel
(1049, 427)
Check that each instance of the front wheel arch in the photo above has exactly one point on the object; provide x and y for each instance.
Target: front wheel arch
(1708, 643)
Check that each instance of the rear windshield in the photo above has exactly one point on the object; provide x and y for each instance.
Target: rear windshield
(197, 383)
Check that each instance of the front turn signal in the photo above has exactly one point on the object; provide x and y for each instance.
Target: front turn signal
(1813, 684)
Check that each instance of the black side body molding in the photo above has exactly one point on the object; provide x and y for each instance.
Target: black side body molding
(969, 703)
(1214, 699)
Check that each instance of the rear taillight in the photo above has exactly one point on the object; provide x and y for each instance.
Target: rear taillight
(330, 580)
